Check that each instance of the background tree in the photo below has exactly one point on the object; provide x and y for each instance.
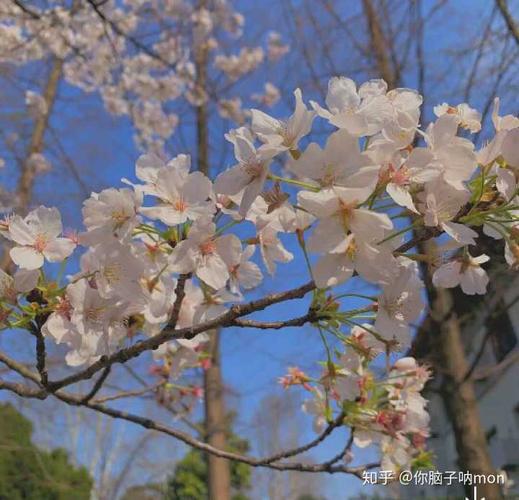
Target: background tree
(190, 479)
(27, 471)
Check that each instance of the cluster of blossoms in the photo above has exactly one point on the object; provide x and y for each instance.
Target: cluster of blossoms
(172, 235)
(386, 410)
(98, 50)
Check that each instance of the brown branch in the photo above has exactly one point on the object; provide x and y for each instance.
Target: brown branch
(136, 43)
(195, 443)
(312, 444)
(22, 390)
(484, 373)
(129, 394)
(19, 368)
(180, 293)
(31, 13)
(309, 317)
(97, 386)
(80, 400)
(379, 45)
(41, 356)
(167, 334)
(509, 20)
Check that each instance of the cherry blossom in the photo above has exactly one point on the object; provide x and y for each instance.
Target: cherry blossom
(442, 203)
(249, 175)
(183, 196)
(166, 260)
(112, 212)
(464, 271)
(284, 134)
(205, 254)
(38, 238)
(400, 304)
(361, 112)
(467, 117)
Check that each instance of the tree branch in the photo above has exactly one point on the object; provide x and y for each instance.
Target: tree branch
(167, 334)
(509, 20)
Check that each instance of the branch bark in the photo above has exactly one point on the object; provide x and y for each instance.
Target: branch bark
(502, 5)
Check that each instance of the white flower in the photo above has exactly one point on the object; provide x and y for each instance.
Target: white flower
(192, 300)
(116, 271)
(361, 113)
(400, 304)
(39, 163)
(338, 214)
(89, 324)
(36, 104)
(317, 408)
(182, 353)
(158, 297)
(182, 195)
(25, 280)
(283, 134)
(466, 116)
(510, 148)
(249, 174)
(7, 290)
(506, 182)
(365, 342)
(406, 108)
(374, 263)
(110, 213)
(270, 97)
(466, 272)
(276, 49)
(396, 454)
(503, 125)
(38, 237)
(205, 254)
(272, 250)
(243, 272)
(339, 164)
(402, 174)
(442, 202)
(213, 305)
(446, 151)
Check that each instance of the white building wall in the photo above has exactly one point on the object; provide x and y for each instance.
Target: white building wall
(499, 412)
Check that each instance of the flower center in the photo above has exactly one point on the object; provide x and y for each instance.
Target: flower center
(180, 205)
(94, 314)
(253, 167)
(328, 177)
(208, 247)
(40, 242)
(288, 135)
(120, 217)
(64, 308)
(346, 212)
(112, 273)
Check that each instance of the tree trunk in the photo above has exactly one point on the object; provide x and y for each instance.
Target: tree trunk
(26, 181)
(459, 395)
(219, 480)
(36, 144)
(379, 45)
(219, 476)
